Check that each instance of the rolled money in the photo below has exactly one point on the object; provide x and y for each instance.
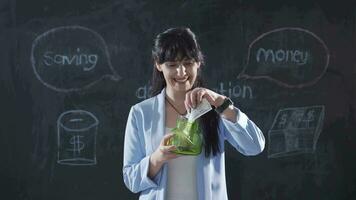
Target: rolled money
(198, 111)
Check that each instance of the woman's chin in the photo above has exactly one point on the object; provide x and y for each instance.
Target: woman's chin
(182, 88)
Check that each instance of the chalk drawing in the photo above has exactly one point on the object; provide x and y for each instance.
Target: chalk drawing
(76, 138)
(292, 57)
(229, 89)
(71, 58)
(295, 131)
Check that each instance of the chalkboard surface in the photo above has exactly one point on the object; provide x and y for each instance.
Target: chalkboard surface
(70, 70)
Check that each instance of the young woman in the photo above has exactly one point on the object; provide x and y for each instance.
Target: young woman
(150, 167)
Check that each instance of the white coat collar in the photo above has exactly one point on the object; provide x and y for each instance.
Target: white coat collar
(158, 120)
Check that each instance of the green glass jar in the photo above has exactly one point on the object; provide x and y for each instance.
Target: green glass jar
(187, 137)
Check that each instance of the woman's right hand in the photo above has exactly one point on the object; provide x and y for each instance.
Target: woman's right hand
(162, 154)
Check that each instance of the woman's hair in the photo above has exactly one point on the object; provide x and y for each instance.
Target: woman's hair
(180, 43)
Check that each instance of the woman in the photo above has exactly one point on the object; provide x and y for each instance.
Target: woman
(150, 167)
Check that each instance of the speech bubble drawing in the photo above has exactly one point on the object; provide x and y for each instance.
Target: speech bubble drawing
(291, 57)
(71, 58)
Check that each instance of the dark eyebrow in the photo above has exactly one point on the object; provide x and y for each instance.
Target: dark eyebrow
(172, 62)
(187, 59)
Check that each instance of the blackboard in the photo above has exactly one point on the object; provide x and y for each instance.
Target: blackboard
(77, 67)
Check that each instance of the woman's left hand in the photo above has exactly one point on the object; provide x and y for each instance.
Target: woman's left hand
(195, 96)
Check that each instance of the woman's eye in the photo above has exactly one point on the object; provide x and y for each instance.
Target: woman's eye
(172, 65)
(188, 64)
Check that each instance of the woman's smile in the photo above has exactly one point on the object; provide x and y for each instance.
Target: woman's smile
(180, 80)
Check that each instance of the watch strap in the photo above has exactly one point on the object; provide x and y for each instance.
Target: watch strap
(227, 102)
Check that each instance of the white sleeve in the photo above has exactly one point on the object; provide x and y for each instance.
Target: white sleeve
(136, 162)
(244, 134)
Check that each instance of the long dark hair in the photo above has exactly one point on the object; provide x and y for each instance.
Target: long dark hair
(182, 42)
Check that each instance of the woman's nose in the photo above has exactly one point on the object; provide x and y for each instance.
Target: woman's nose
(181, 70)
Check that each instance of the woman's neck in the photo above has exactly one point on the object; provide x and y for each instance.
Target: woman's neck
(176, 96)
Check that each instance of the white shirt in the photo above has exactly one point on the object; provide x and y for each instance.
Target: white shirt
(181, 182)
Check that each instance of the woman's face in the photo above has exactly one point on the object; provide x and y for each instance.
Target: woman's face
(179, 75)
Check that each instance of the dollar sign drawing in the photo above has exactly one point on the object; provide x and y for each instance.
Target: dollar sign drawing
(310, 118)
(283, 121)
(77, 144)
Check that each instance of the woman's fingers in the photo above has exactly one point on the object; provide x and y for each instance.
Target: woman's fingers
(192, 98)
(187, 101)
(166, 138)
(210, 99)
(164, 148)
(201, 93)
(167, 149)
(167, 152)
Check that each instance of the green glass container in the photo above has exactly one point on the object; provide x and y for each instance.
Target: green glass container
(187, 137)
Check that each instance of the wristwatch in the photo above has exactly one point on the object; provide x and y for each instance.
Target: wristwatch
(227, 102)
